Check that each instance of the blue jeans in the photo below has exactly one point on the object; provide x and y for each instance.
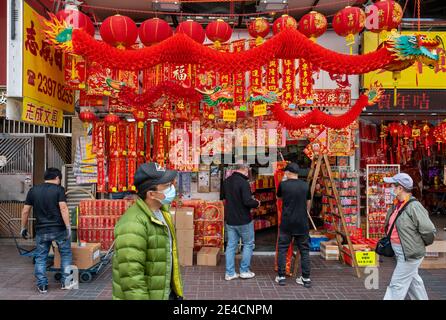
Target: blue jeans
(43, 244)
(246, 233)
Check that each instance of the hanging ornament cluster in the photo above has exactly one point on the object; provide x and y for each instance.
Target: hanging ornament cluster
(348, 22)
(76, 20)
(259, 29)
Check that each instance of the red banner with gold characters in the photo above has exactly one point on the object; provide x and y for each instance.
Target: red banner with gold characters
(75, 72)
(305, 81)
(131, 136)
(122, 139)
(224, 78)
(272, 76)
(113, 174)
(205, 79)
(99, 138)
(122, 174)
(239, 78)
(131, 165)
(101, 187)
(289, 80)
(256, 74)
(182, 74)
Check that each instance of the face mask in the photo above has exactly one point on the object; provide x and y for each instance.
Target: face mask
(392, 192)
(169, 195)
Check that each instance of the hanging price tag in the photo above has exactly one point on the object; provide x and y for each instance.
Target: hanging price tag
(260, 110)
(229, 115)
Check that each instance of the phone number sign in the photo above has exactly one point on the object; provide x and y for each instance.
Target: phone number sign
(43, 76)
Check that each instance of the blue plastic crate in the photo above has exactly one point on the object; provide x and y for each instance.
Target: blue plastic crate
(315, 243)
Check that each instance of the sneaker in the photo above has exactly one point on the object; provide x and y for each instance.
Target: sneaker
(247, 275)
(229, 278)
(281, 280)
(304, 282)
(42, 289)
(70, 286)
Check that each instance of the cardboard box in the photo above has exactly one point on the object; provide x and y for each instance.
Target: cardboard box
(184, 219)
(83, 257)
(185, 238)
(208, 256)
(329, 250)
(435, 256)
(186, 256)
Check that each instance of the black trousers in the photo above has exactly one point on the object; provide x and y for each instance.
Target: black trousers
(303, 244)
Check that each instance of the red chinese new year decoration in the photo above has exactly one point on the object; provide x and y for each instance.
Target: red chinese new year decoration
(193, 30)
(317, 117)
(390, 14)
(283, 23)
(348, 22)
(313, 24)
(167, 88)
(119, 31)
(77, 20)
(153, 31)
(218, 32)
(87, 116)
(259, 29)
(288, 44)
(416, 134)
(112, 119)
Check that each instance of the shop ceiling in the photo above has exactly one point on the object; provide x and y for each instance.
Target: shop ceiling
(202, 10)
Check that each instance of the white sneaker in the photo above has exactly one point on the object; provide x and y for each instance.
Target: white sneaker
(304, 282)
(281, 280)
(229, 278)
(247, 275)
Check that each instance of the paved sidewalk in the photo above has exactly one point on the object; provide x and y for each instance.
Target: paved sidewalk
(331, 280)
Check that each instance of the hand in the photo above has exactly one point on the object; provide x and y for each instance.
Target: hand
(68, 233)
(259, 203)
(24, 233)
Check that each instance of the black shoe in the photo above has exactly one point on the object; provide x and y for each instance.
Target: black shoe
(304, 282)
(42, 289)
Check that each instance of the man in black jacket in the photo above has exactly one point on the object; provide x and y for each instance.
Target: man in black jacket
(296, 196)
(239, 224)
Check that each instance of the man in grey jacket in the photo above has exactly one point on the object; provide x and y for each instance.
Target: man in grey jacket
(413, 231)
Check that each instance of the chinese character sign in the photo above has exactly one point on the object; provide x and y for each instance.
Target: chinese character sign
(305, 81)
(239, 78)
(43, 66)
(272, 75)
(288, 80)
(41, 114)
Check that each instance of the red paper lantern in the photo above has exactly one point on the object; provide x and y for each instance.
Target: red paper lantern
(119, 31)
(389, 13)
(348, 22)
(153, 31)
(313, 24)
(112, 119)
(284, 22)
(218, 32)
(192, 29)
(87, 116)
(259, 29)
(77, 20)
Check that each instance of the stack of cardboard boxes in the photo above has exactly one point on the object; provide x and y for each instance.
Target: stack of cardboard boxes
(184, 226)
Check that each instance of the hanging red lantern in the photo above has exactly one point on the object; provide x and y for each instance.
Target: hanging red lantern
(284, 22)
(218, 32)
(112, 119)
(348, 22)
(119, 31)
(77, 20)
(389, 14)
(87, 116)
(259, 29)
(192, 29)
(407, 131)
(313, 25)
(153, 31)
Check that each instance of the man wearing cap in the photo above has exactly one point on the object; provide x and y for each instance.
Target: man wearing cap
(239, 225)
(145, 261)
(412, 232)
(296, 196)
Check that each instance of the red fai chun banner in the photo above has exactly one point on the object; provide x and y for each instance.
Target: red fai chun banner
(272, 75)
(256, 74)
(289, 80)
(239, 78)
(305, 81)
(224, 79)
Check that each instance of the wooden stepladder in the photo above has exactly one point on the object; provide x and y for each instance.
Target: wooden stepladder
(320, 165)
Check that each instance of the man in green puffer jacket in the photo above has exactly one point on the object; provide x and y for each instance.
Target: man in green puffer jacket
(412, 232)
(145, 261)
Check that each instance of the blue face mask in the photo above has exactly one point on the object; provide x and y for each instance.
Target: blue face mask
(392, 192)
(169, 195)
